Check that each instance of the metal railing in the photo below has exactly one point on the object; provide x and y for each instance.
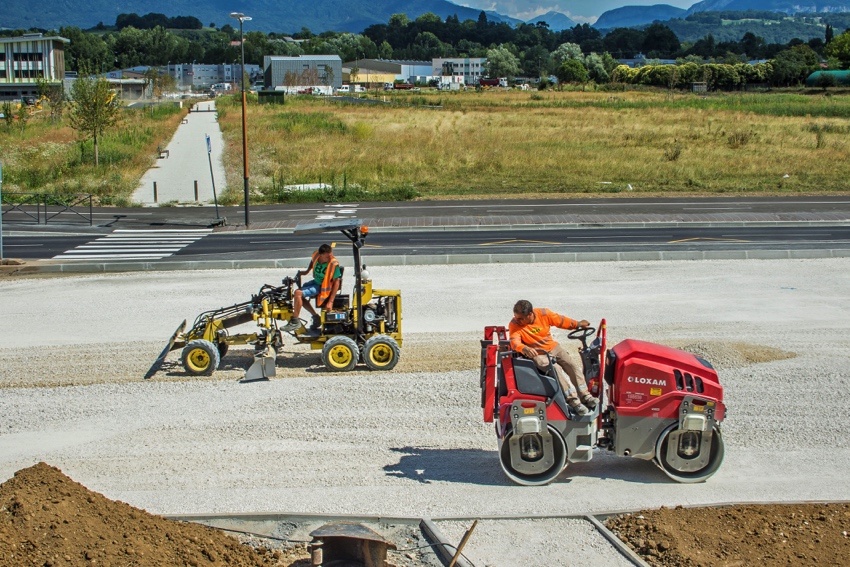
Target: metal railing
(41, 208)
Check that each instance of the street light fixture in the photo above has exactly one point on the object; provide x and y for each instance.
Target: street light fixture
(243, 18)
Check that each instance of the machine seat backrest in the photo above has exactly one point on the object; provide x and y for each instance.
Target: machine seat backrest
(530, 381)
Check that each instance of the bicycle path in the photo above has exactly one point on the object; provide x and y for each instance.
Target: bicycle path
(186, 160)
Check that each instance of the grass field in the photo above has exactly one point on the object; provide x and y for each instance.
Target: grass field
(473, 144)
(48, 157)
(515, 143)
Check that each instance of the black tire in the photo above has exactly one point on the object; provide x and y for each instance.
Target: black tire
(715, 458)
(340, 354)
(381, 352)
(544, 477)
(200, 358)
(222, 348)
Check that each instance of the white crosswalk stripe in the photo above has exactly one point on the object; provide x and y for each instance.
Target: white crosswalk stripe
(135, 245)
(331, 212)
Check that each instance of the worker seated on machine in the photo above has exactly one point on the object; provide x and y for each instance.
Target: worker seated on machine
(327, 278)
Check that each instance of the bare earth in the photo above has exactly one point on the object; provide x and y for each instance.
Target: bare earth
(48, 519)
(737, 536)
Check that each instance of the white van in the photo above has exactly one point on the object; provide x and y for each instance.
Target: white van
(344, 89)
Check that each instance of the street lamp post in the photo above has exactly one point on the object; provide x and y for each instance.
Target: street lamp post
(243, 18)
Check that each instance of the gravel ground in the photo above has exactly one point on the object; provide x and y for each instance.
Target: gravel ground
(412, 442)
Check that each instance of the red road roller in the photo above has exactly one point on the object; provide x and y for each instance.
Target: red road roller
(656, 403)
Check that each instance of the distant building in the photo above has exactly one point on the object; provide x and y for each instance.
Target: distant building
(302, 71)
(200, 76)
(470, 69)
(380, 71)
(195, 76)
(25, 59)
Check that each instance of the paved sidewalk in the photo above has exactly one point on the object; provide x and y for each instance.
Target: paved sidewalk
(187, 162)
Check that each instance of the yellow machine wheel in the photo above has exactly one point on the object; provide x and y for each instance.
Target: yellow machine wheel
(381, 352)
(201, 358)
(340, 354)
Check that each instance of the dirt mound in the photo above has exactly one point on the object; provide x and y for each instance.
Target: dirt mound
(724, 355)
(764, 535)
(48, 519)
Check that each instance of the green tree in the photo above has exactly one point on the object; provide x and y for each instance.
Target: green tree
(8, 116)
(565, 52)
(23, 116)
(660, 41)
(571, 71)
(501, 63)
(839, 48)
(596, 70)
(55, 95)
(84, 47)
(94, 109)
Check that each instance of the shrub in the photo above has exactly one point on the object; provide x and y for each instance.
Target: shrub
(739, 139)
(672, 152)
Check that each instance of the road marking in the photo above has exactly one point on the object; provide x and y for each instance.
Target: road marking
(135, 245)
(515, 241)
(699, 238)
(328, 213)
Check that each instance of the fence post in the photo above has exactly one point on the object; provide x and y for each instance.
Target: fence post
(196, 190)
(154, 192)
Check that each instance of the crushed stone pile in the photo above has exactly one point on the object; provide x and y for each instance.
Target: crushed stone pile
(769, 535)
(729, 355)
(47, 519)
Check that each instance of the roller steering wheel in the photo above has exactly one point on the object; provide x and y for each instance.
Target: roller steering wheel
(581, 334)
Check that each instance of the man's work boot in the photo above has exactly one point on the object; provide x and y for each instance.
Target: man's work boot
(317, 323)
(589, 401)
(293, 325)
(577, 407)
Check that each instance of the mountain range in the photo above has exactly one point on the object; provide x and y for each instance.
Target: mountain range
(268, 15)
(556, 21)
(356, 15)
(628, 16)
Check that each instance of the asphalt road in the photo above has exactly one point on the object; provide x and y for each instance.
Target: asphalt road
(248, 245)
(175, 217)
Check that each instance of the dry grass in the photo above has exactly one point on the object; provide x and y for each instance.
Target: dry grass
(49, 158)
(520, 143)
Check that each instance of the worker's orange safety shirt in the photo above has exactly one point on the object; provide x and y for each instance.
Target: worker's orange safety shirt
(327, 282)
(538, 335)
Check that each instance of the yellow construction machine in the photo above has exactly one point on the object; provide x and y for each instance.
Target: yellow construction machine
(363, 326)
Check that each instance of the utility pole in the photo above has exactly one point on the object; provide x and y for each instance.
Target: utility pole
(243, 18)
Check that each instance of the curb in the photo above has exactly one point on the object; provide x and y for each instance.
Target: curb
(430, 260)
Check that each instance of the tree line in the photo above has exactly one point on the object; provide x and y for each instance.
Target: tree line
(530, 50)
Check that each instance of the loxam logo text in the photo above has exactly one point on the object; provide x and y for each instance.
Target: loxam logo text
(648, 381)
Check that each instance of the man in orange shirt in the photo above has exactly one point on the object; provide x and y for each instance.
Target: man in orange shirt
(530, 335)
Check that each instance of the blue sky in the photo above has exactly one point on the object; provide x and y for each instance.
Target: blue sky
(579, 10)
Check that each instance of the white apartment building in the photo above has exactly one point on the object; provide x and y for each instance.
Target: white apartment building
(469, 68)
(25, 59)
